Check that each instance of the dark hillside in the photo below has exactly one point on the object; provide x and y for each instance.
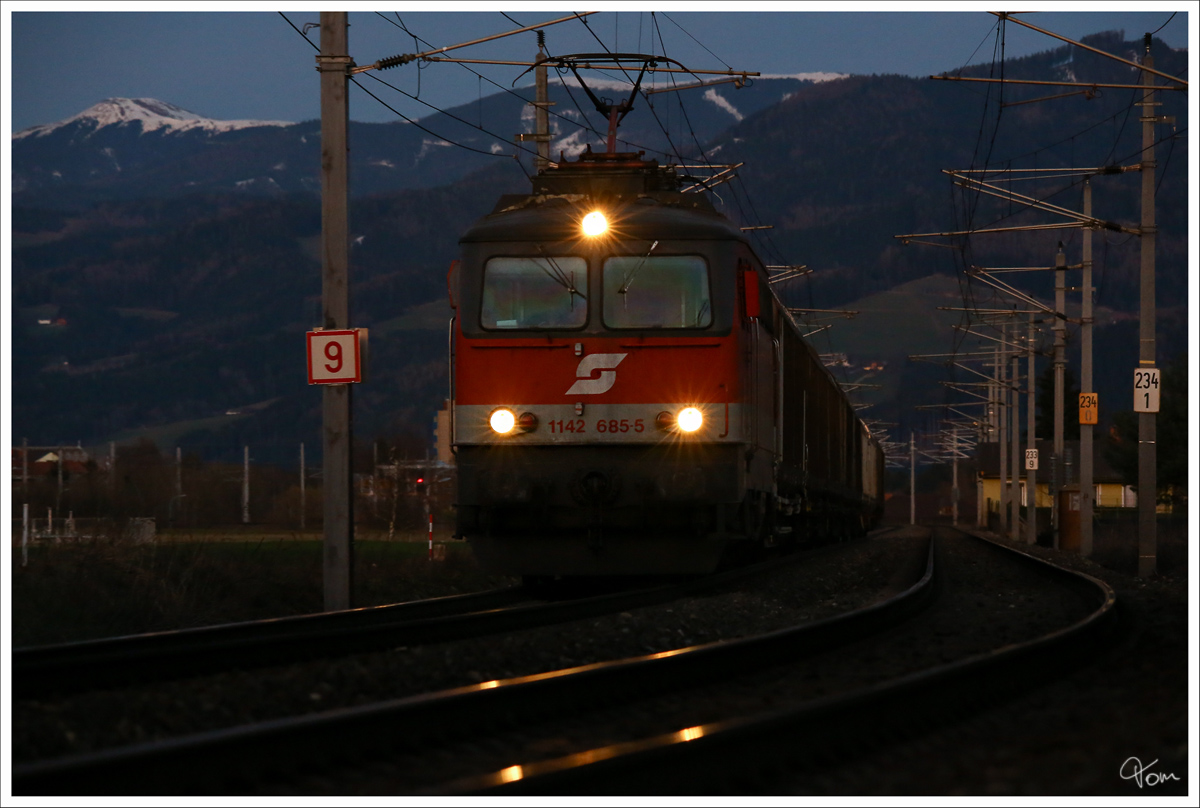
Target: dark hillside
(844, 166)
(159, 315)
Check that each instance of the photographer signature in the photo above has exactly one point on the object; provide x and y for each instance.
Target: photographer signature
(1142, 775)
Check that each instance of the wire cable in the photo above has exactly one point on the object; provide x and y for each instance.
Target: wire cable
(426, 103)
(585, 122)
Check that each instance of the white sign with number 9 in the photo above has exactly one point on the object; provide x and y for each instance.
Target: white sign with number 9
(334, 357)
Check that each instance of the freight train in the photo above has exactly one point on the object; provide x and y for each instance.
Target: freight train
(629, 395)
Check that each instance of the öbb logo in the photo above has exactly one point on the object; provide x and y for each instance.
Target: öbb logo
(603, 362)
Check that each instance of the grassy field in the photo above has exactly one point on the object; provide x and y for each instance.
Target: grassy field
(91, 589)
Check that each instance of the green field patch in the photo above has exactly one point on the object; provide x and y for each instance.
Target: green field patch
(901, 321)
(168, 435)
(432, 316)
(154, 315)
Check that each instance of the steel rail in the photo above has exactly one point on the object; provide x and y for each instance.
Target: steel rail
(143, 658)
(696, 760)
(92, 664)
(225, 760)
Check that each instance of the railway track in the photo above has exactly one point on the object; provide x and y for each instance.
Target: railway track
(247, 758)
(142, 658)
(766, 752)
(58, 670)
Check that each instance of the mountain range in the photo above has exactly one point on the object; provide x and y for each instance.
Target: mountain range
(165, 266)
(132, 148)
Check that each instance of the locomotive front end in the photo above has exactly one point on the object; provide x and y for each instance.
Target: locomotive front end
(597, 416)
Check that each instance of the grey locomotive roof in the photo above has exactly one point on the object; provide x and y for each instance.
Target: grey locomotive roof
(661, 215)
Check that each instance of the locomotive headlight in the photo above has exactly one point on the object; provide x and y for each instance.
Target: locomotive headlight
(503, 421)
(689, 419)
(594, 224)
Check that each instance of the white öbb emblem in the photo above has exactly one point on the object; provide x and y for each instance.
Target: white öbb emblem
(603, 362)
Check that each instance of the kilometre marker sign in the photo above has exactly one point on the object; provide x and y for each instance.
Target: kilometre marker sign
(335, 357)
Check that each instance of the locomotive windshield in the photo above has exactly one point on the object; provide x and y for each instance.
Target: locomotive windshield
(662, 291)
(532, 293)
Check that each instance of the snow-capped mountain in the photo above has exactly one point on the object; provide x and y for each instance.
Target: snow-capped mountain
(152, 115)
(124, 148)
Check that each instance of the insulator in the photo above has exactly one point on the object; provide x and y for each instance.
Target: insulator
(392, 61)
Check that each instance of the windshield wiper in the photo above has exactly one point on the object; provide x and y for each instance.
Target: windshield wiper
(558, 275)
(629, 278)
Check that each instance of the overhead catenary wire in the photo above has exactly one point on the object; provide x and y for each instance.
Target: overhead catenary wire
(1116, 142)
(405, 117)
(585, 124)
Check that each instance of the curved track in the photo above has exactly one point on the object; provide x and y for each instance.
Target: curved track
(142, 658)
(715, 757)
(138, 659)
(230, 760)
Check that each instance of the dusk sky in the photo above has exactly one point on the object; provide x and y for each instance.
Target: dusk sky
(229, 63)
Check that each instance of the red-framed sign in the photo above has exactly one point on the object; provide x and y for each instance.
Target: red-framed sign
(336, 357)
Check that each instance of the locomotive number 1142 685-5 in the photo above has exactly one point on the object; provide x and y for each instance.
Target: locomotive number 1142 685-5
(604, 425)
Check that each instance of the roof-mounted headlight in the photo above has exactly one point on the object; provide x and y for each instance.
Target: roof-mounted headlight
(594, 224)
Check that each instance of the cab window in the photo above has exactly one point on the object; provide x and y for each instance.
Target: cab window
(534, 293)
(656, 291)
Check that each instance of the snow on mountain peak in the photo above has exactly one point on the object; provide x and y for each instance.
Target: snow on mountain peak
(151, 113)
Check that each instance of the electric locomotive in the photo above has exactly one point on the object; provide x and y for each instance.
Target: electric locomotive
(629, 396)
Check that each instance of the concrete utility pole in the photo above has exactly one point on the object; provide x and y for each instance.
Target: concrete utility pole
(1087, 489)
(912, 479)
(954, 476)
(245, 485)
(334, 63)
(1060, 347)
(1031, 429)
(1002, 434)
(1015, 527)
(542, 107)
(541, 110)
(302, 502)
(1147, 421)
